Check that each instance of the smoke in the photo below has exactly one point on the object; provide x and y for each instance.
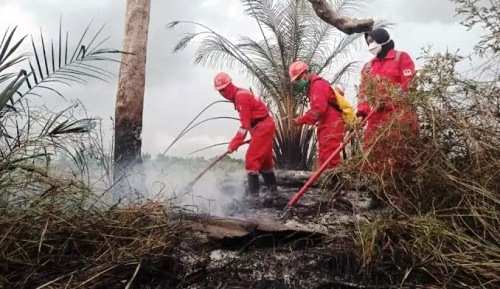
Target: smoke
(161, 179)
(214, 194)
(166, 180)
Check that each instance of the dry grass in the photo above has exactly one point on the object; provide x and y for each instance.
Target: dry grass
(441, 223)
(54, 248)
(56, 230)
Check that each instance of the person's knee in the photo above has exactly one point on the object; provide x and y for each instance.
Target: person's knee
(252, 167)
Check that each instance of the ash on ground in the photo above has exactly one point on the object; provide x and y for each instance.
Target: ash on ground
(295, 252)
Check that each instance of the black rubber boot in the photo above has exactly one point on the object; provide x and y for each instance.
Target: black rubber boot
(253, 185)
(270, 182)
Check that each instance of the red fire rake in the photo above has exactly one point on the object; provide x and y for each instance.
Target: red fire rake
(318, 173)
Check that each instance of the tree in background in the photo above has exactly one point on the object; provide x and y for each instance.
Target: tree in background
(130, 96)
(290, 31)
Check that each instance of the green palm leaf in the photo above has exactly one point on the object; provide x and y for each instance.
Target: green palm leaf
(12, 88)
(26, 133)
(50, 65)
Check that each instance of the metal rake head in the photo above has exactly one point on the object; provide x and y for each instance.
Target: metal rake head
(287, 212)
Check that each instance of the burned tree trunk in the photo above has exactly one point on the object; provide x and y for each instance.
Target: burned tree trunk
(130, 95)
(345, 24)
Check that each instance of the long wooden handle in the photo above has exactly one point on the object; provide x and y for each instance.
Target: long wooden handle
(209, 167)
(213, 164)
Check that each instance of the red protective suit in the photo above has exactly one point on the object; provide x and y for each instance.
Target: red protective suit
(254, 118)
(330, 126)
(388, 150)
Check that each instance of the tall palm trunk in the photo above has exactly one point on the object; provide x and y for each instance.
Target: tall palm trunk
(130, 95)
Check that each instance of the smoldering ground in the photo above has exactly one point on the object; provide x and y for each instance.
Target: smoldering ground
(212, 194)
(166, 180)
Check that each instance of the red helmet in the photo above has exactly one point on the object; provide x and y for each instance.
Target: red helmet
(221, 80)
(296, 69)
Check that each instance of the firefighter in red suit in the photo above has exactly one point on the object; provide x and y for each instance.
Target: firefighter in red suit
(330, 125)
(388, 73)
(256, 120)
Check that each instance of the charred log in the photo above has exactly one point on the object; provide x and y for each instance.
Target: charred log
(293, 179)
(233, 234)
(297, 179)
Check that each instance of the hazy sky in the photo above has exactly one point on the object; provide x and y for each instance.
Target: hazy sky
(176, 89)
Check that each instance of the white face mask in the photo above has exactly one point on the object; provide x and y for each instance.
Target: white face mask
(375, 48)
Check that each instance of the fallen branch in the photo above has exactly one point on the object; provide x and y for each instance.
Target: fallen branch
(293, 179)
(345, 24)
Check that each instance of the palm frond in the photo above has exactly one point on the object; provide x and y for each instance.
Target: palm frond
(8, 61)
(206, 120)
(11, 89)
(347, 68)
(340, 49)
(27, 133)
(73, 127)
(217, 51)
(208, 147)
(348, 6)
(264, 12)
(253, 9)
(184, 130)
(265, 61)
(7, 49)
(56, 64)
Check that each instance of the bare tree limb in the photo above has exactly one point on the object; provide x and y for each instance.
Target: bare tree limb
(345, 24)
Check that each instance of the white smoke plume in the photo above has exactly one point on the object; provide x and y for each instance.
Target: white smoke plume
(167, 181)
(213, 194)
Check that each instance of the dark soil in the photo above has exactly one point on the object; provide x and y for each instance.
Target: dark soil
(312, 248)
